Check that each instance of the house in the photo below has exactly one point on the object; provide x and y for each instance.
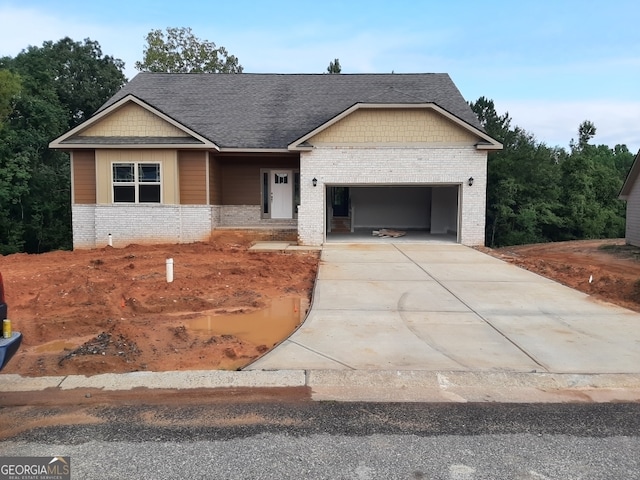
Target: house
(173, 157)
(631, 194)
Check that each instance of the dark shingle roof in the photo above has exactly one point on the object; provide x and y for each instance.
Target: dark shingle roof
(272, 110)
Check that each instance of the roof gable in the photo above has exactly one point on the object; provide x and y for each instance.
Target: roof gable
(395, 124)
(130, 122)
(631, 179)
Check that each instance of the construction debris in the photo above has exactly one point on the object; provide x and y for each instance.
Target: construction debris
(388, 233)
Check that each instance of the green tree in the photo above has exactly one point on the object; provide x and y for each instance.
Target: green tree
(180, 51)
(9, 90)
(522, 182)
(334, 67)
(592, 177)
(62, 84)
(539, 194)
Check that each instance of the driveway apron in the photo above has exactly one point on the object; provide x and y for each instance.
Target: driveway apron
(401, 306)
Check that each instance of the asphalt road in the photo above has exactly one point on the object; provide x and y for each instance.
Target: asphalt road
(250, 435)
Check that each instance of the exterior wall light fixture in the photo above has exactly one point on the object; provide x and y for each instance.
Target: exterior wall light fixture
(470, 181)
(315, 181)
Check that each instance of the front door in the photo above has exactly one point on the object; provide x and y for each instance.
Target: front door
(281, 194)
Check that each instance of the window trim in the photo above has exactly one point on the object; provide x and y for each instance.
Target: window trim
(136, 183)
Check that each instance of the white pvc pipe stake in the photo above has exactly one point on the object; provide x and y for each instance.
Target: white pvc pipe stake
(169, 270)
(110, 240)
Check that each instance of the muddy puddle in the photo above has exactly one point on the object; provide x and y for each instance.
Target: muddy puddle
(56, 346)
(262, 327)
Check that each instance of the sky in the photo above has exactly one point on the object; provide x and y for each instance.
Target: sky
(549, 64)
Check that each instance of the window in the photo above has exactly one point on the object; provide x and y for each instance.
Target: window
(136, 182)
(265, 193)
(280, 178)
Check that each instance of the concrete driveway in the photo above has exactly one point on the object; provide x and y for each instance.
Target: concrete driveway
(437, 307)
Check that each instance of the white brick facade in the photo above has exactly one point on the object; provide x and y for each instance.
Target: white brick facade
(392, 165)
(239, 215)
(140, 224)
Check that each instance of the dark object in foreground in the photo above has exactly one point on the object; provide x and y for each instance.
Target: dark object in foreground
(8, 347)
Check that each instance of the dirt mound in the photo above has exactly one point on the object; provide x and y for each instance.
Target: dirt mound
(607, 269)
(111, 310)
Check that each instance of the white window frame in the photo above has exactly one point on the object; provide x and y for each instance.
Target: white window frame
(136, 183)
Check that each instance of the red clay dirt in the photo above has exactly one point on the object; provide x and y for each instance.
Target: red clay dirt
(111, 310)
(608, 269)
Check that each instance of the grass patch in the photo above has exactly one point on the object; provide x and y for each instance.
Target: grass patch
(622, 251)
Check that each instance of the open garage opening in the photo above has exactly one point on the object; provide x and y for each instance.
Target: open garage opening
(418, 213)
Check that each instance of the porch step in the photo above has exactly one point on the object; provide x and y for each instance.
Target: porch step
(341, 225)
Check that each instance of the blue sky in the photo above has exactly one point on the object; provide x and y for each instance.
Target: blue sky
(550, 63)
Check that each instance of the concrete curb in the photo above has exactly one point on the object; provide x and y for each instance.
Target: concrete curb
(373, 386)
(460, 386)
(179, 380)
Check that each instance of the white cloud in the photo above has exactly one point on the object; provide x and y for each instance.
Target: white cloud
(557, 122)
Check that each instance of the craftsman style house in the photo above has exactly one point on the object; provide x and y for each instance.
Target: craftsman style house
(173, 157)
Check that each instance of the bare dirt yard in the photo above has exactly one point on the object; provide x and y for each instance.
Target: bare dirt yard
(608, 269)
(111, 310)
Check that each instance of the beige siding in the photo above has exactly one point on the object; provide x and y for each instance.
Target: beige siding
(394, 126)
(193, 177)
(84, 177)
(132, 120)
(168, 171)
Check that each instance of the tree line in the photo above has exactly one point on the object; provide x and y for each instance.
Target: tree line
(535, 193)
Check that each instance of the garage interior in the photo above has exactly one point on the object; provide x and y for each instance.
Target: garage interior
(423, 213)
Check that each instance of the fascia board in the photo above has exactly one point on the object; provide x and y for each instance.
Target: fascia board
(57, 143)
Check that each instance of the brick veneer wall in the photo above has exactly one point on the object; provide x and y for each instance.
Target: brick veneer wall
(148, 224)
(239, 215)
(140, 224)
(392, 165)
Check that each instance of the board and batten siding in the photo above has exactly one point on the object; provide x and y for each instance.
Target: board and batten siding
(168, 160)
(84, 177)
(192, 168)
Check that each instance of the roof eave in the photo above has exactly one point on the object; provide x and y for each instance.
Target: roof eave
(489, 146)
(253, 150)
(58, 143)
(132, 146)
(632, 176)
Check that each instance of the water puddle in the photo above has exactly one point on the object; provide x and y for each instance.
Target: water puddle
(56, 346)
(262, 327)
